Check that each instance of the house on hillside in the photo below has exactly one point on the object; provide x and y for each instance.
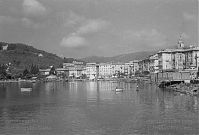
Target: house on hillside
(5, 47)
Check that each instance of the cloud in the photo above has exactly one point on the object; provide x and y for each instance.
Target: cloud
(30, 23)
(145, 38)
(71, 18)
(188, 16)
(73, 41)
(82, 27)
(33, 8)
(92, 26)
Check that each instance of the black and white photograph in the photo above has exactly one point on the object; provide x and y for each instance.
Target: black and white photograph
(99, 67)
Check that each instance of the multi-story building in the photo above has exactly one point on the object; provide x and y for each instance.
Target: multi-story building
(92, 70)
(105, 70)
(153, 66)
(76, 69)
(179, 59)
(118, 69)
(131, 67)
(144, 65)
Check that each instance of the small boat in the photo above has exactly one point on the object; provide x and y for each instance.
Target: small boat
(117, 89)
(26, 89)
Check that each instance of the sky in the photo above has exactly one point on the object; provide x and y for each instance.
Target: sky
(82, 28)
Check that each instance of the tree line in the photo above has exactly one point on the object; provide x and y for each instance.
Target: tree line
(8, 71)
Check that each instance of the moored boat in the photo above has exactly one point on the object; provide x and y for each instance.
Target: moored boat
(117, 89)
(26, 89)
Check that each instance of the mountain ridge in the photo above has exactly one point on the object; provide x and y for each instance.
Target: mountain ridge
(119, 58)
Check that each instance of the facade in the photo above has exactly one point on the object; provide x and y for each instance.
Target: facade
(76, 69)
(105, 70)
(144, 65)
(92, 70)
(60, 72)
(179, 59)
(153, 66)
(132, 67)
(118, 69)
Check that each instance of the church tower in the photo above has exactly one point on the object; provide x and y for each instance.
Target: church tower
(180, 43)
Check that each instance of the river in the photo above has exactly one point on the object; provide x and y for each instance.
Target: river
(94, 108)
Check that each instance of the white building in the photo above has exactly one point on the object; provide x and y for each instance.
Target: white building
(132, 67)
(154, 67)
(179, 59)
(105, 70)
(91, 70)
(76, 69)
(118, 69)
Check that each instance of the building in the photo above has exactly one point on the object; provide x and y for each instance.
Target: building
(144, 65)
(153, 65)
(131, 67)
(76, 69)
(179, 59)
(118, 69)
(92, 70)
(5, 47)
(105, 70)
(59, 71)
(44, 72)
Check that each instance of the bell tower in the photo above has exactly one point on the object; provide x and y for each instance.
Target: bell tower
(180, 43)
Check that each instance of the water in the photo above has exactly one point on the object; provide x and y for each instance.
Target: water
(93, 108)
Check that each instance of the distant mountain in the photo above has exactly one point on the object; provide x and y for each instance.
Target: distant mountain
(120, 58)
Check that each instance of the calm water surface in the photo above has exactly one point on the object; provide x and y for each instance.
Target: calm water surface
(93, 108)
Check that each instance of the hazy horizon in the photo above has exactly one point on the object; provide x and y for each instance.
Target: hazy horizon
(82, 28)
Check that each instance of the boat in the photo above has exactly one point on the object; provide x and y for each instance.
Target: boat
(117, 89)
(26, 89)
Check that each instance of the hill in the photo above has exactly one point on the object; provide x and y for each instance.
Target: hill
(119, 58)
(22, 56)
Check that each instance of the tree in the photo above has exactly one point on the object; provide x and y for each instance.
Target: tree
(34, 69)
(3, 72)
(25, 72)
(52, 71)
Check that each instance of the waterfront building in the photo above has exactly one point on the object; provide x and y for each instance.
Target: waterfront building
(44, 72)
(105, 70)
(131, 67)
(62, 72)
(153, 66)
(144, 65)
(118, 69)
(59, 71)
(76, 69)
(92, 70)
(179, 59)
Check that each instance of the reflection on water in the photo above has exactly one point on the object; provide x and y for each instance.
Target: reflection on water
(95, 108)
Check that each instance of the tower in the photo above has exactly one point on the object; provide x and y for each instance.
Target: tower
(180, 43)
